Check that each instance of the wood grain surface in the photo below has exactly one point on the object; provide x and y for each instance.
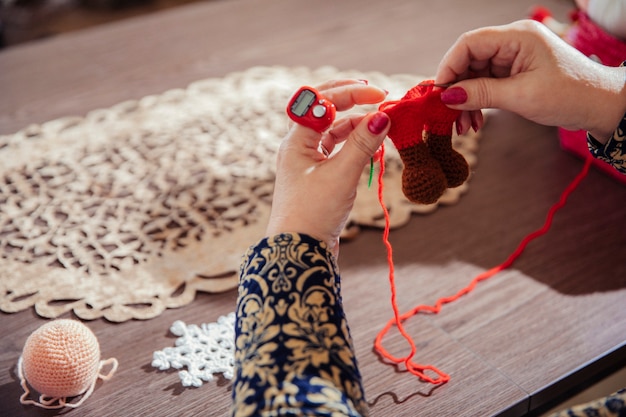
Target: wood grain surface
(524, 338)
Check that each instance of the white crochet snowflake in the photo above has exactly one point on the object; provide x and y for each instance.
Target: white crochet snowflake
(204, 350)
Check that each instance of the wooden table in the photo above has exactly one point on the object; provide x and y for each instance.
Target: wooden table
(555, 321)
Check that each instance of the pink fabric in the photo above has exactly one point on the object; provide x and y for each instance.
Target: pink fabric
(576, 143)
(592, 40)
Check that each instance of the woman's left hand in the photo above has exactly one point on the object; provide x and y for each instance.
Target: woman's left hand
(315, 191)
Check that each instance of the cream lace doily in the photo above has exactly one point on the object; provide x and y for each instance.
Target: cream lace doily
(133, 209)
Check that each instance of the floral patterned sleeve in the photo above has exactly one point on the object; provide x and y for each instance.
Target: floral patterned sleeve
(614, 151)
(612, 406)
(294, 353)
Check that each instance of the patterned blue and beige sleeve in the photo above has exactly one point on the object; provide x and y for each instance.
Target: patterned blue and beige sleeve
(614, 151)
(294, 353)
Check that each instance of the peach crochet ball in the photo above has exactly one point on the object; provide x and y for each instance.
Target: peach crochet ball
(61, 359)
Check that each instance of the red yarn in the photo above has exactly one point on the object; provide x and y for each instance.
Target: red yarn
(410, 118)
(421, 130)
(418, 369)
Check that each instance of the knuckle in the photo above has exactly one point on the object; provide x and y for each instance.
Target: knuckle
(483, 93)
(361, 142)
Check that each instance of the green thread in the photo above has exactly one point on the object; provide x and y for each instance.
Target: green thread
(369, 182)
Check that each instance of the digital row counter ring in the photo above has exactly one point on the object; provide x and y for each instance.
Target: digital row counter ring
(309, 108)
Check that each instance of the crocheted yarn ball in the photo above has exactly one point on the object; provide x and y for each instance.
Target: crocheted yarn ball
(61, 358)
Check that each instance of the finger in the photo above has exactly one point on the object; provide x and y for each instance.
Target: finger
(347, 96)
(463, 123)
(327, 85)
(477, 120)
(497, 45)
(469, 119)
(333, 88)
(480, 67)
(483, 93)
(300, 144)
(340, 131)
(361, 145)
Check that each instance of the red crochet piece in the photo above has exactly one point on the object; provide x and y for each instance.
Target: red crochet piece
(421, 130)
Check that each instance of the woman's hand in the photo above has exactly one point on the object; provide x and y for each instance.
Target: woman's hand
(314, 191)
(525, 68)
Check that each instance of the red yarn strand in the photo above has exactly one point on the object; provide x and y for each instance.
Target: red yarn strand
(418, 369)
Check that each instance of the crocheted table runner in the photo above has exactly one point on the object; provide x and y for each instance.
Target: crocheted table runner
(133, 209)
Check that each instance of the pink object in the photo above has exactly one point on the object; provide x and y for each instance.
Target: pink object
(576, 143)
(594, 42)
(540, 14)
(61, 360)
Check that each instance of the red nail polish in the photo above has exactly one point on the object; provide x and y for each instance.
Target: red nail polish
(459, 128)
(475, 125)
(378, 123)
(454, 95)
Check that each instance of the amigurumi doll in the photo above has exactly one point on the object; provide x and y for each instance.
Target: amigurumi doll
(421, 130)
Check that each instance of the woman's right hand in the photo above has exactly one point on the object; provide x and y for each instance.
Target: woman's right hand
(525, 68)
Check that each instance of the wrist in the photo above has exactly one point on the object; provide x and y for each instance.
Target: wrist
(330, 245)
(280, 225)
(609, 109)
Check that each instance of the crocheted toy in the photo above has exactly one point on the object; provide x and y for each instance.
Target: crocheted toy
(596, 29)
(421, 130)
(60, 360)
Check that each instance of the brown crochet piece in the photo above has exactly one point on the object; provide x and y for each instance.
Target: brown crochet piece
(423, 180)
(452, 163)
(421, 130)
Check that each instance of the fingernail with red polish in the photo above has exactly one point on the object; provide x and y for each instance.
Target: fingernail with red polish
(454, 95)
(378, 123)
(474, 122)
(459, 128)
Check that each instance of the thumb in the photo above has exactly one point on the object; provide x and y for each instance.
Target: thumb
(364, 141)
(479, 93)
